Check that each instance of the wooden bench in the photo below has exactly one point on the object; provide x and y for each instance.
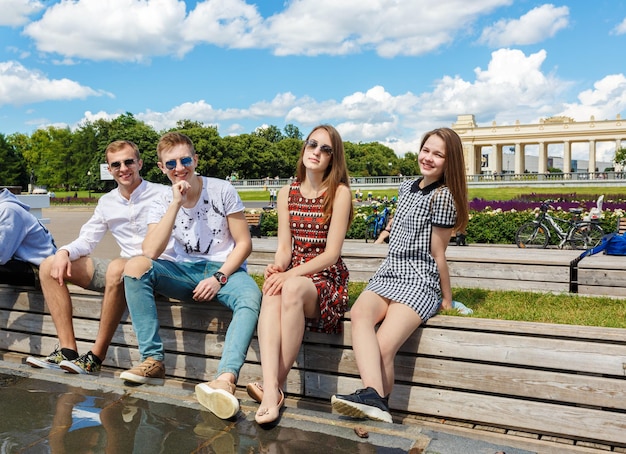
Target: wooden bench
(488, 267)
(539, 382)
(254, 222)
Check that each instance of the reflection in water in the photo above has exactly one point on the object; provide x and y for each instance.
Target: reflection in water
(41, 417)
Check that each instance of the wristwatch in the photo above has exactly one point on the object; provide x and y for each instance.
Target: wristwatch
(221, 278)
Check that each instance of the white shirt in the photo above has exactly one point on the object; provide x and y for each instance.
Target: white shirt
(127, 219)
(202, 232)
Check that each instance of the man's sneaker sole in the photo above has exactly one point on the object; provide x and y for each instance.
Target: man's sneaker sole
(41, 364)
(72, 368)
(127, 376)
(219, 402)
(356, 410)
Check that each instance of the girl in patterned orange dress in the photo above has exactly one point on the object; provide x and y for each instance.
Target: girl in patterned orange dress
(306, 286)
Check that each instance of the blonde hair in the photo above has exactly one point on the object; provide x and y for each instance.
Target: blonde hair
(118, 145)
(336, 173)
(172, 139)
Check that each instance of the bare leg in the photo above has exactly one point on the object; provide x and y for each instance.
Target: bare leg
(113, 306)
(400, 322)
(368, 310)
(58, 297)
(279, 348)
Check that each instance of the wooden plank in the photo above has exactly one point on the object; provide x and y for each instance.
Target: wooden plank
(488, 378)
(576, 332)
(603, 278)
(509, 285)
(615, 292)
(536, 417)
(505, 271)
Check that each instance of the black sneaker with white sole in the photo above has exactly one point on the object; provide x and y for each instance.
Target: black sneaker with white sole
(364, 403)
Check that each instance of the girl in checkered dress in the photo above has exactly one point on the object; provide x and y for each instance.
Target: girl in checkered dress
(413, 282)
(306, 286)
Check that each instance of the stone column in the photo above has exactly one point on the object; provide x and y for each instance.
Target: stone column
(496, 156)
(542, 165)
(567, 157)
(592, 158)
(520, 159)
(470, 150)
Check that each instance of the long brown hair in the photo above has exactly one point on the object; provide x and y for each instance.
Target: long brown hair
(336, 173)
(454, 173)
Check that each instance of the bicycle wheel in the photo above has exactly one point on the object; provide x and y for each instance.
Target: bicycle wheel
(532, 235)
(586, 236)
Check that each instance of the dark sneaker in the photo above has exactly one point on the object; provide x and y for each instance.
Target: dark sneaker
(218, 396)
(84, 364)
(52, 361)
(150, 372)
(364, 403)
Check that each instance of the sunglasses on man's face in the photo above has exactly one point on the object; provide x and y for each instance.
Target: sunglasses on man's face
(127, 163)
(312, 145)
(186, 162)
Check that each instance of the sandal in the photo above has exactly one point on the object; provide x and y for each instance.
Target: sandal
(255, 390)
(269, 415)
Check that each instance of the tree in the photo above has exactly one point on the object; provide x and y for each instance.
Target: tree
(620, 157)
(270, 133)
(292, 132)
(13, 168)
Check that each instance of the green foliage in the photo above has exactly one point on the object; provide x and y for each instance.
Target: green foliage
(13, 167)
(269, 223)
(620, 156)
(490, 227)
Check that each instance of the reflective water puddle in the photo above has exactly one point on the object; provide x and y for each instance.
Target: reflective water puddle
(39, 416)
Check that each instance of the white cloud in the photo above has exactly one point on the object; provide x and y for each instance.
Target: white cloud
(607, 97)
(620, 29)
(19, 85)
(137, 30)
(125, 30)
(16, 12)
(387, 27)
(533, 27)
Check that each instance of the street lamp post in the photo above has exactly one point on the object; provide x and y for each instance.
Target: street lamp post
(89, 183)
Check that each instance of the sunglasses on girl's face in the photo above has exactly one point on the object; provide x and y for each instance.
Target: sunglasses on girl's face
(312, 145)
(127, 163)
(186, 162)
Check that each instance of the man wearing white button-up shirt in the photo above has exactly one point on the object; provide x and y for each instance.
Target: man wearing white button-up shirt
(123, 212)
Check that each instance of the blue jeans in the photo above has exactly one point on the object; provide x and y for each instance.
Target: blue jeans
(175, 280)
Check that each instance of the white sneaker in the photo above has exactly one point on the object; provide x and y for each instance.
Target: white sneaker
(218, 397)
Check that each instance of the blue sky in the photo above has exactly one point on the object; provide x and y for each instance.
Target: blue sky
(379, 70)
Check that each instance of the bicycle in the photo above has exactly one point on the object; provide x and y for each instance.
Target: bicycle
(580, 234)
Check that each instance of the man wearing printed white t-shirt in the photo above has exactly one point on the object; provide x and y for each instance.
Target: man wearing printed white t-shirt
(212, 242)
(123, 211)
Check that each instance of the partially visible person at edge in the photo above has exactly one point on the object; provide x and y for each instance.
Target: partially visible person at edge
(212, 242)
(307, 285)
(24, 242)
(124, 212)
(413, 282)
